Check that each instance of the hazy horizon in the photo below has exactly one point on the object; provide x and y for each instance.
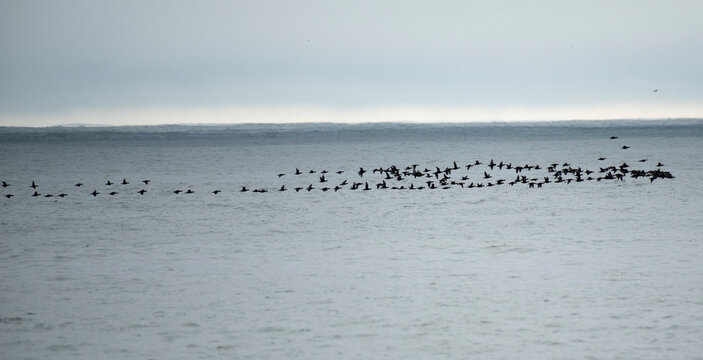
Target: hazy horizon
(273, 61)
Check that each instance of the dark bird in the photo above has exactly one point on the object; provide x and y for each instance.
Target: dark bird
(244, 188)
(322, 179)
(642, 160)
(36, 194)
(177, 191)
(340, 172)
(189, 191)
(112, 193)
(4, 184)
(486, 175)
(108, 183)
(62, 195)
(48, 195)
(279, 175)
(309, 187)
(283, 188)
(217, 192)
(146, 182)
(659, 164)
(33, 186)
(297, 171)
(95, 193)
(625, 147)
(298, 189)
(655, 90)
(601, 158)
(124, 182)
(9, 195)
(141, 192)
(79, 185)
(361, 172)
(613, 137)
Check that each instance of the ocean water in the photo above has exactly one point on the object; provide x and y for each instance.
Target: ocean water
(608, 269)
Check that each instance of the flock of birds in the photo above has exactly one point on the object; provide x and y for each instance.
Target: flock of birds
(474, 174)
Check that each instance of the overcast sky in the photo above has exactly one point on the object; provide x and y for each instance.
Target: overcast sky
(242, 61)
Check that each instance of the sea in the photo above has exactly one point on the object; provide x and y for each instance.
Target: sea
(409, 253)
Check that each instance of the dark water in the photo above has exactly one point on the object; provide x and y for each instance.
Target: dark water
(608, 269)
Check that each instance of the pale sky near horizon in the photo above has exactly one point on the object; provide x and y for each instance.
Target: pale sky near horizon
(150, 62)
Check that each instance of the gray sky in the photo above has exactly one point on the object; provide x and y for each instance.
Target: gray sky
(101, 58)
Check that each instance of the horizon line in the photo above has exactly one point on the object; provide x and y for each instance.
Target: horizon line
(300, 114)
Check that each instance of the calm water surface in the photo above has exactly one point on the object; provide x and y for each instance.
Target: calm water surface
(591, 269)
